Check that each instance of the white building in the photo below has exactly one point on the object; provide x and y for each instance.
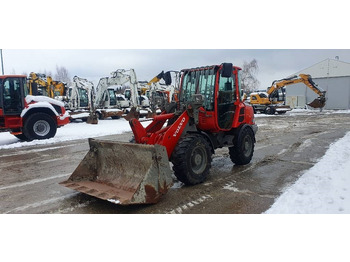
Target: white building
(332, 76)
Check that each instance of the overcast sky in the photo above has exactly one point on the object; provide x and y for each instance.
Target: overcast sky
(96, 63)
(92, 39)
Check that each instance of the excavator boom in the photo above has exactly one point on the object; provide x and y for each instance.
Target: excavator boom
(319, 102)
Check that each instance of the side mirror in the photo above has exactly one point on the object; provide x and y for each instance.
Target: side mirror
(226, 70)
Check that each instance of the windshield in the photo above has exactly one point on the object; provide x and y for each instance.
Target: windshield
(112, 98)
(83, 97)
(199, 82)
(26, 89)
(12, 99)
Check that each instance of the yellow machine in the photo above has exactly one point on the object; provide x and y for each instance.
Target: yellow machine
(272, 102)
(40, 84)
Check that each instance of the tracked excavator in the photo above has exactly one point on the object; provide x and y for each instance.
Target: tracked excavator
(81, 97)
(270, 102)
(40, 84)
(210, 114)
(106, 99)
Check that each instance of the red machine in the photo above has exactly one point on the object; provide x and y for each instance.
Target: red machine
(210, 114)
(28, 117)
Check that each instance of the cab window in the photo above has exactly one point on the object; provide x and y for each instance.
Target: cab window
(12, 97)
(84, 100)
(206, 88)
(112, 98)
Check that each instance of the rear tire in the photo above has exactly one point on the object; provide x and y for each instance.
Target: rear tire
(270, 110)
(21, 137)
(192, 159)
(242, 151)
(39, 126)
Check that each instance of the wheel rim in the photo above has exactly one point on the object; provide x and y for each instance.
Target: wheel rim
(247, 146)
(198, 160)
(41, 128)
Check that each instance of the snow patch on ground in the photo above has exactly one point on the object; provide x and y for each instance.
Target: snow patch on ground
(72, 131)
(298, 112)
(323, 189)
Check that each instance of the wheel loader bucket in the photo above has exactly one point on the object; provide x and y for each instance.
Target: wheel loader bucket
(123, 173)
(319, 102)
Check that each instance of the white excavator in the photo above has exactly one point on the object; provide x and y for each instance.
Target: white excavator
(80, 104)
(108, 104)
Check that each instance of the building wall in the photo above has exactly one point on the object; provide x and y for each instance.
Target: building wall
(338, 92)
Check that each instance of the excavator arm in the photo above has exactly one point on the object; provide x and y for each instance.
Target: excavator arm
(52, 87)
(319, 102)
(38, 79)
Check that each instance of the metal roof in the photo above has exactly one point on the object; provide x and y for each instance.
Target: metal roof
(327, 68)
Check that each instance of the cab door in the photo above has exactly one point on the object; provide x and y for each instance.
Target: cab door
(226, 98)
(12, 95)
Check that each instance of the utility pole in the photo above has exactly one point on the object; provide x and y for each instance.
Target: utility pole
(2, 62)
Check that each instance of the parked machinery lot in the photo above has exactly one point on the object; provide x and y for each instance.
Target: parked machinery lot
(30, 176)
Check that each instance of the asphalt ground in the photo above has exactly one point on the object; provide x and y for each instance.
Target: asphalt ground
(286, 146)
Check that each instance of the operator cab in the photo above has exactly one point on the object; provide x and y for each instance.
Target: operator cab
(220, 88)
(13, 89)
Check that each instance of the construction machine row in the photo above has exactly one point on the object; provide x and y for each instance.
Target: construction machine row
(201, 109)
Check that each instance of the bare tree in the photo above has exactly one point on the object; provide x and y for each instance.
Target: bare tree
(45, 72)
(62, 74)
(248, 76)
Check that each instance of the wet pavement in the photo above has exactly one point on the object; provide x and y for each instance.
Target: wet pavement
(286, 147)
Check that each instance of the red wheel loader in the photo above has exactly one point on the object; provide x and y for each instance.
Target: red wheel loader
(210, 114)
(28, 117)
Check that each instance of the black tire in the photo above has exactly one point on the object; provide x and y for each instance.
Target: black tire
(39, 126)
(191, 159)
(242, 151)
(269, 110)
(21, 137)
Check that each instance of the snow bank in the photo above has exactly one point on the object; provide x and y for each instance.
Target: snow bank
(323, 189)
(72, 131)
(299, 112)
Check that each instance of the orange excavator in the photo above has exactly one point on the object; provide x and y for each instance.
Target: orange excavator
(270, 101)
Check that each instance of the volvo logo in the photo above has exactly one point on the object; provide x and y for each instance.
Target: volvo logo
(179, 127)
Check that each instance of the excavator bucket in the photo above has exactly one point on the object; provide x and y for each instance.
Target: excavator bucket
(92, 119)
(123, 173)
(319, 102)
(133, 113)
